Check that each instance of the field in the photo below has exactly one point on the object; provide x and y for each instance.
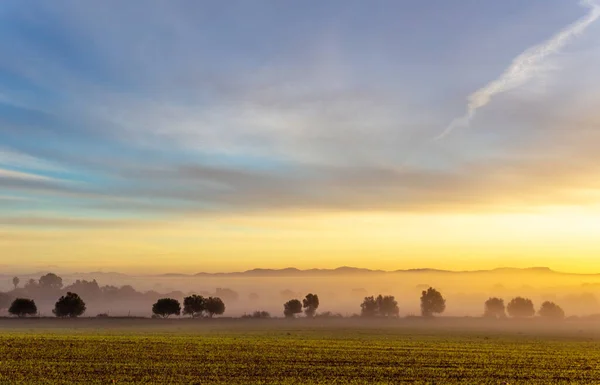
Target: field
(295, 352)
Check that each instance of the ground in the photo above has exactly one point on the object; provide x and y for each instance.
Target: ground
(297, 352)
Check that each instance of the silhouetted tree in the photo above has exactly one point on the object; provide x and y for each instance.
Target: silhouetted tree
(253, 297)
(291, 308)
(69, 305)
(214, 305)
(194, 305)
(520, 307)
(432, 302)
(51, 281)
(494, 308)
(382, 306)
(166, 307)
(369, 307)
(22, 307)
(387, 306)
(311, 304)
(15, 282)
(550, 310)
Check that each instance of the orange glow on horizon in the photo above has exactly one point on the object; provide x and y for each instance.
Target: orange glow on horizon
(564, 240)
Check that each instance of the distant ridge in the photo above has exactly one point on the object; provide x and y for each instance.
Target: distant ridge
(348, 270)
(292, 271)
(295, 272)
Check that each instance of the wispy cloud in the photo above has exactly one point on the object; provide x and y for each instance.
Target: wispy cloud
(13, 158)
(77, 223)
(9, 174)
(152, 119)
(13, 198)
(524, 67)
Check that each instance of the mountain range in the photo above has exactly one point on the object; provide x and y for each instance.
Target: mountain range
(339, 271)
(347, 270)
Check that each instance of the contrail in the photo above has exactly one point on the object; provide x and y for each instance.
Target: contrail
(523, 67)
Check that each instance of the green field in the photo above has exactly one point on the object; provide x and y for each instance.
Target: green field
(280, 352)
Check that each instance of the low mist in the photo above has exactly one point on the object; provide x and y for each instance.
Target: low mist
(340, 291)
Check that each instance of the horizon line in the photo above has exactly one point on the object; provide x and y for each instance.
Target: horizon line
(308, 270)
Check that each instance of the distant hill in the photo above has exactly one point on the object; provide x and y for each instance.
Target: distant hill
(348, 270)
(340, 271)
(293, 272)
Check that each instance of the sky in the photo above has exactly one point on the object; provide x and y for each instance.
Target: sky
(185, 136)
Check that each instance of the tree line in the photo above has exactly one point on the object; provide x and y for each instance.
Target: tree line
(194, 305)
(520, 307)
(198, 306)
(68, 305)
(432, 302)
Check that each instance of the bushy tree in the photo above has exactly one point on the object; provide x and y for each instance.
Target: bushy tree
(22, 307)
(520, 307)
(432, 302)
(550, 310)
(311, 304)
(387, 306)
(214, 305)
(194, 305)
(166, 307)
(382, 306)
(69, 305)
(291, 308)
(494, 308)
(15, 282)
(51, 281)
(369, 307)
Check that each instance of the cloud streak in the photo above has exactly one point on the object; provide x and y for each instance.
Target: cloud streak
(523, 67)
(12, 158)
(10, 174)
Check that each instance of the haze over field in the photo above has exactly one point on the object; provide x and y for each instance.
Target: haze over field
(340, 290)
(153, 137)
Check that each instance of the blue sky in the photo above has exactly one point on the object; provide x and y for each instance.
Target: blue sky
(112, 112)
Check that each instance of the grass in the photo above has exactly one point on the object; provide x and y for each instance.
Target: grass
(280, 352)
